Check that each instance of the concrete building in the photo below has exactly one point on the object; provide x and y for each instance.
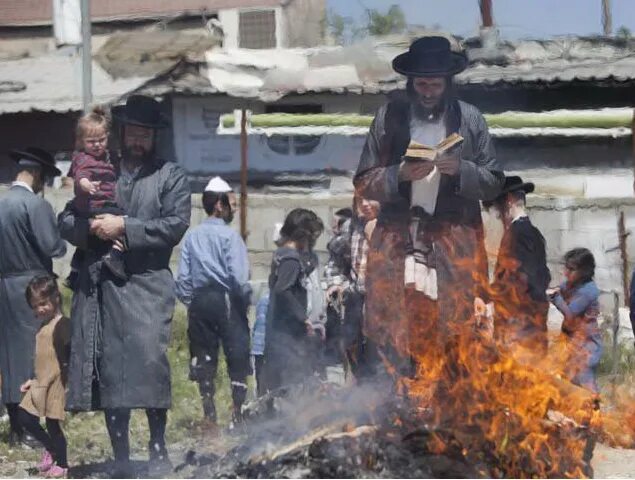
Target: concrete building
(133, 41)
(245, 23)
(578, 75)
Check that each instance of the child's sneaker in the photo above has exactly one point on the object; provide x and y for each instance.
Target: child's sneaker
(56, 472)
(46, 462)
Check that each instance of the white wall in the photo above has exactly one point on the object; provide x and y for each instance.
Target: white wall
(203, 152)
(228, 18)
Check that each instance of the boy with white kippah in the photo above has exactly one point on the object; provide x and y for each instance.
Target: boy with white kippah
(213, 282)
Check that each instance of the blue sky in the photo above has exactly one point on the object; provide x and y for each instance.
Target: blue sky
(515, 18)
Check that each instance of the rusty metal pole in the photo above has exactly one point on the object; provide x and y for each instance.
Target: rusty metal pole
(623, 235)
(633, 146)
(607, 18)
(243, 174)
(487, 19)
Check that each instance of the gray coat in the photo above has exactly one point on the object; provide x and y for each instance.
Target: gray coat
(121, 330)
(28, 240)
(456, 227)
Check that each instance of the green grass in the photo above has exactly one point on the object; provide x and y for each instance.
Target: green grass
(624, 361)
(86, 432)
(502, 120)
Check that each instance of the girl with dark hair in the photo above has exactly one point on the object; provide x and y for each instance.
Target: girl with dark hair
(288, 353)
(44, 394)
(577, 299)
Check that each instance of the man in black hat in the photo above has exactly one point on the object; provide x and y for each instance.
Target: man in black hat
(521, 277)
(29, 240)
(118, 359)
(427, 254)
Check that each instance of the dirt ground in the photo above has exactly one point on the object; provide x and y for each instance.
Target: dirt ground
(613, 462)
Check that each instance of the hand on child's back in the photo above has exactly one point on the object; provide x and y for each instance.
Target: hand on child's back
(25, 386)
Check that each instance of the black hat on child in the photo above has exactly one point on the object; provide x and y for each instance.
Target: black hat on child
(36, 157)
(513, 183)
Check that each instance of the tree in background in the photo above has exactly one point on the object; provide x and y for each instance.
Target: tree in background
(344, 30)
(338, 27)
(393, 21)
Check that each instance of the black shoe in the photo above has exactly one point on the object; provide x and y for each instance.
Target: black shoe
(115, 264)
(159, 464)
(122, 469)
(15, 438)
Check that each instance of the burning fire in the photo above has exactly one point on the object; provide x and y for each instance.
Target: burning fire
(497, 405)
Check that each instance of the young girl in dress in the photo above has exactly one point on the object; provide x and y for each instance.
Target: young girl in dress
(289, 355)
(577, 299)
(44, 394)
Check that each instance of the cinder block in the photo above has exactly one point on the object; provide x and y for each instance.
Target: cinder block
(548, 220)
(594, 219)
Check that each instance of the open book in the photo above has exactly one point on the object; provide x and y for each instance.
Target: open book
(417, 151)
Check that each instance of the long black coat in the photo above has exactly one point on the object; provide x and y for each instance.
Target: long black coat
(28, 240)
(459, 244)
(121, 330)
(521, 279)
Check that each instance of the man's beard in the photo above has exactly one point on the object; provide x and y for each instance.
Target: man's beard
(228, 217)
(429, 114)
(137, 156)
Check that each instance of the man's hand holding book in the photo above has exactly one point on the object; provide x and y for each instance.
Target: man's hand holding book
(444, 156)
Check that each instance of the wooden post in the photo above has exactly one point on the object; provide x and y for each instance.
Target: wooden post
(623, 234)
(243, 174)
(487, 19)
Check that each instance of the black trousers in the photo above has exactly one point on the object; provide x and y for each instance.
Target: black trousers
(13, 410)
(361, 352)
(118, 425)
(52, 439)
(259, 365)
(214, 321)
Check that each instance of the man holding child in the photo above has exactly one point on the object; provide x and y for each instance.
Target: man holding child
(122, 326)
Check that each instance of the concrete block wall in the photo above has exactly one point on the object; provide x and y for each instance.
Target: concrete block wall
(565, 222)
(589, 223)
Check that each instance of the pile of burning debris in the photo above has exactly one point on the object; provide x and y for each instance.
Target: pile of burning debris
(472, 412)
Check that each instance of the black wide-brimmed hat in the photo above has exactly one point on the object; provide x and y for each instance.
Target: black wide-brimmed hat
(142, 111)
(36, 157)
(513, 183)
(430, 57)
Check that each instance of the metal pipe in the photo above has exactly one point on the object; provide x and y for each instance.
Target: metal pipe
(487, 19)
(87, 60)
(623, 235)
(243, 174)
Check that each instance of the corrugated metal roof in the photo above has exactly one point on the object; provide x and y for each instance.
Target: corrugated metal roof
(366, 68)
(53, 83)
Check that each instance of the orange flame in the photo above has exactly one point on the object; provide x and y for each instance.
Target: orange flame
(508, 402)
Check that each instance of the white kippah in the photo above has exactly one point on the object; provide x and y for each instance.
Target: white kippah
(276, 232)
(218, 185)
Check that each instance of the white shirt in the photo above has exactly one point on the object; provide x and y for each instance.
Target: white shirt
(19, 183)
(425, 191)
(522, 215)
